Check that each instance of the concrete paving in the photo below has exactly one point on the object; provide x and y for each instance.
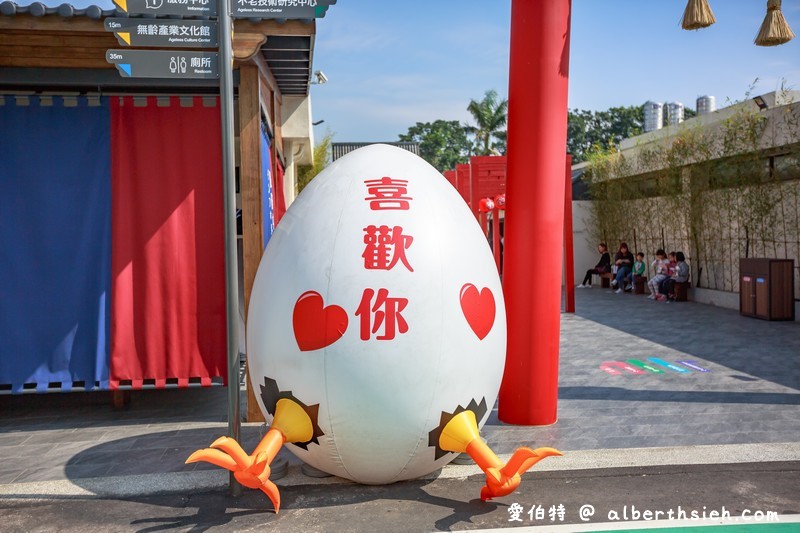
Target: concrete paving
(737, 403)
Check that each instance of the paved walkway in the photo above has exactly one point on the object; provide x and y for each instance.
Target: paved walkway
(749, 396)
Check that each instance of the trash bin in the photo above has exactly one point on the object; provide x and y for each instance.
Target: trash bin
(766, 288)
(639, 283)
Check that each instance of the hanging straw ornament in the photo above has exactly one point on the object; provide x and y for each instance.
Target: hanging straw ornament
(697, 15)
(774, 30)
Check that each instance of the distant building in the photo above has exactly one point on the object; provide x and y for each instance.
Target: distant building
(706, 104)
(653, 116)
(674, 113)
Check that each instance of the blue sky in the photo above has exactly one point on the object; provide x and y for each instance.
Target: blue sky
(391, 67)
(392, 64)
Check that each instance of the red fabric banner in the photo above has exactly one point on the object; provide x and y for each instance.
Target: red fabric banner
(277, 191)
(168, 264)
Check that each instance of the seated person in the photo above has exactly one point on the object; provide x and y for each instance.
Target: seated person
(623, 260)
(638, 271)
(604, 265)
(681, 274)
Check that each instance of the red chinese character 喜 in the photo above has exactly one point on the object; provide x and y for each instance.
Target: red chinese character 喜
(386, 314)
(385, 247)
(388, 194)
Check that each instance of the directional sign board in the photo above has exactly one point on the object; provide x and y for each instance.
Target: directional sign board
(280, 9)
(164, 64)
(164, 32)
(183, 8)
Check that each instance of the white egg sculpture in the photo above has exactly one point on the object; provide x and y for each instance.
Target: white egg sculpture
(378, 300)
(376, 333)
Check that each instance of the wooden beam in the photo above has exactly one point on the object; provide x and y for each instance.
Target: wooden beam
(278, 121)
(55, 39)
(55, 52)
(266, 75)
(53, 49)
(271, 27)
(246, 45)
(250, 187)
(52, 23)
(52, 62)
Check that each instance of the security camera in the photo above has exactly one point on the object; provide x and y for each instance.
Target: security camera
(321, 77)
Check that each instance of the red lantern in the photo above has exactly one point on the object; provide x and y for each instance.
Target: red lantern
(485, 205)
(500, 201)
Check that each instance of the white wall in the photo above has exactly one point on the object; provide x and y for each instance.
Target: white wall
(585, 249)
(298, 140)
(729, 300)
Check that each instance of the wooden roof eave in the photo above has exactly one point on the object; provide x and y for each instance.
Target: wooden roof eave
(54, 41)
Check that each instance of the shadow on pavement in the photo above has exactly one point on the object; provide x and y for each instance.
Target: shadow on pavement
(165, 452)
(618, 393)
(201, 512)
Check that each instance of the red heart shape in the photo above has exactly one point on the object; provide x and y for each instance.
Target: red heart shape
(478, 309)
(316, 326)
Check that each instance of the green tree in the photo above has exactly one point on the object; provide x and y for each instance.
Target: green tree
(588, 130)
(580, 134)
(491, 115)
(442, 143)
(500, 145)
(322, 158)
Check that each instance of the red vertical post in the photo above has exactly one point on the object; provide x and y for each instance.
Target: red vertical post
(569, 255)
(534, 228)
(496, 235)
(474, 199)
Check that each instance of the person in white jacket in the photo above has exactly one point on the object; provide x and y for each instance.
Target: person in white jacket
(661, 265)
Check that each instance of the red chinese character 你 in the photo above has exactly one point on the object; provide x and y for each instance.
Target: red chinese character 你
(386, 314)
(385, 247)
(388, 194)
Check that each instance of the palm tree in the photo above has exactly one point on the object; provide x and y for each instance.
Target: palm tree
(490, 117)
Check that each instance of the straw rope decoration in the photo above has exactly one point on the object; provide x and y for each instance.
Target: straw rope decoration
(698, 15)
(774, 30)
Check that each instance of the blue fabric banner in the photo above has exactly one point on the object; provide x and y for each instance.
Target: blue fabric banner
(267, 206)
(55, 242)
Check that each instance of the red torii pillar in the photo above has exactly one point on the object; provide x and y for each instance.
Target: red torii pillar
(534, 227)
(569, 248)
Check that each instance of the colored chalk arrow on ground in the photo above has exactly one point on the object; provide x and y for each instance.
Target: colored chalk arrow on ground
(610, 370)
(694, 366)
(610, 367)
(649, 368)
(671, 366)
(633, 366)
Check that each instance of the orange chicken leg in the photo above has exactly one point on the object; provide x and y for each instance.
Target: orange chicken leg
(291, 424)
(461, 435)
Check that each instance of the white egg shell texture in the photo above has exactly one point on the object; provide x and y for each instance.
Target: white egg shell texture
(379, 301)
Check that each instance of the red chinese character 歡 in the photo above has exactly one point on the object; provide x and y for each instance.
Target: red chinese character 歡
(388, 194)
(386, 314)
(385, 247)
